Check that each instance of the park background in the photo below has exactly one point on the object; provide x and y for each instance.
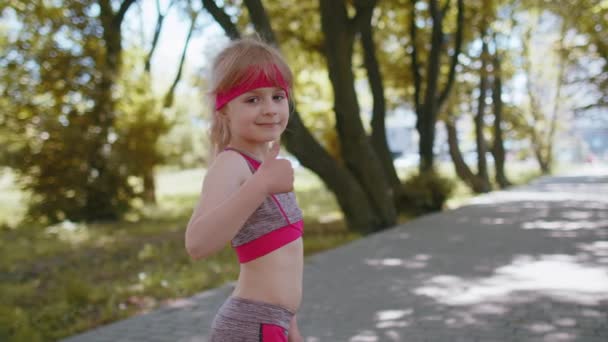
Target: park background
(401, 108)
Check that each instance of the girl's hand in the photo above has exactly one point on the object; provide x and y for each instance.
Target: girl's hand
(275, 174)
(294, 333)
(291, 338)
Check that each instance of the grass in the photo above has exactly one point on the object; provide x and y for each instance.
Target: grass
(61, 280)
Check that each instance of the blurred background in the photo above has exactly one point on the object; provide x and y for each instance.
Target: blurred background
(402, 107)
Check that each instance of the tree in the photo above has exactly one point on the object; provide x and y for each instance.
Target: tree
(498, 149)
(149, 188)
(483, 28)
(429, 99)
(482, 164)
(541, 125)
(479, 182)
(338, 30)
(586, 62)
(62, 75)
(360, 189)
(363, 22)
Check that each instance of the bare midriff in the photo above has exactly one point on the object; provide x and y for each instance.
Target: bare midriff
(275, 278)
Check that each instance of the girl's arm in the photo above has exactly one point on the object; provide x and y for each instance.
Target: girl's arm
(227, 199)
(294, 333)
(224, 206)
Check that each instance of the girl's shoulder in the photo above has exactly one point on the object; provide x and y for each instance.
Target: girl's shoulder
(228, 164)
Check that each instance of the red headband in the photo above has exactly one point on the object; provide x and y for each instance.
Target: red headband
(258, 79)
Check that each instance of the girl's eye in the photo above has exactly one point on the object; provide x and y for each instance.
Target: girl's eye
(279, 97)
(252, 100)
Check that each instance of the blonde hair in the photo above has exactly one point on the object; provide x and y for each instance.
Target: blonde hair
(231, 67)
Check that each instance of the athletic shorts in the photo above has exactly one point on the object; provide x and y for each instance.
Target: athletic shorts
(245, 320)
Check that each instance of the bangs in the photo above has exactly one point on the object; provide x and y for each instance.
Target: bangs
(250, 63)
(267, 71)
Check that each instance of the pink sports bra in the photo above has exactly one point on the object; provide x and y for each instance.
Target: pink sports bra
(275, 223)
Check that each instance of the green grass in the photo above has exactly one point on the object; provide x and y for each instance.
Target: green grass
(61, 280)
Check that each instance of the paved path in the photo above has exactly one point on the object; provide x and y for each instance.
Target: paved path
(529, 264)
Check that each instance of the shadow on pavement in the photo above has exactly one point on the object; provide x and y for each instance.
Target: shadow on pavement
(519, 265)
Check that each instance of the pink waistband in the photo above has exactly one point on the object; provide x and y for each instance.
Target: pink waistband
(269, 242)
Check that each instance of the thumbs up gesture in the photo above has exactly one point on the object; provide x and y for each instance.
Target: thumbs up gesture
(276, 174)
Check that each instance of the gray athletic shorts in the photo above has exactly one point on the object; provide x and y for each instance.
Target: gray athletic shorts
(245, 320)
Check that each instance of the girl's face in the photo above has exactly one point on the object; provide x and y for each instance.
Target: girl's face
(257, 116)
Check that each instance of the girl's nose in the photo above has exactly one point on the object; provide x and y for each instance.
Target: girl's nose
(270, 108)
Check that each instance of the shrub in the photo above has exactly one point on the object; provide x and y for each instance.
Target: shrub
(424, 193)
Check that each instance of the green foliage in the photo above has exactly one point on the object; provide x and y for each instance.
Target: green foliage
(51, 95)
(141, 121)
(78, 151)
(186, 143)
(428, 192)
(589, 60)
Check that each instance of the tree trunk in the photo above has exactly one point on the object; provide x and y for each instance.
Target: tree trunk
(365, 10)
(149, 194)
(462, 169)
(426, 119)
(454, 58)
(540, 156)
(427, 109)
(536, 136)
(262, 22)
(98, 204)
(352, 199)
(357, 152)
(482, 166)
(559, 84)
(498, 149)
(222, 18)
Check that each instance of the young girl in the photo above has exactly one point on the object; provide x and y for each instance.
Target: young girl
(247, 196)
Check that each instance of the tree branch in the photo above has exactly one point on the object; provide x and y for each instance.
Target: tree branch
(415, 64)
(120, 15)
(601, 104)
(433, 7)
(170, 94)
(457, 48)
(445, 8)
(159, 24)
(260, 20)
(222, 18)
